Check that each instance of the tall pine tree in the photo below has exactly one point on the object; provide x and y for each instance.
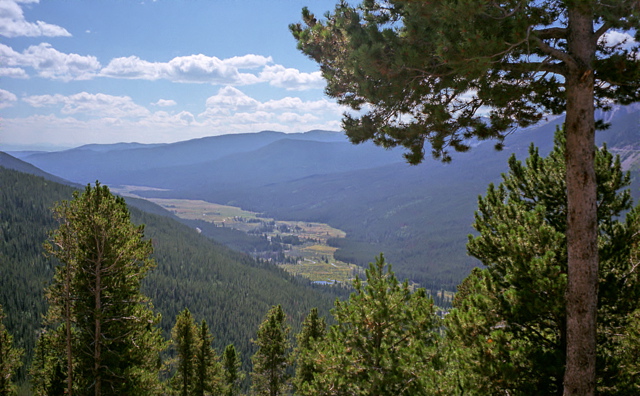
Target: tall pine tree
(443, 71)
(271, 361)
(183, 337)
(509, 325)
(112, 343)
(198, 370)
(233, 376)
(208, 379)
(9, 359)
(314, 329)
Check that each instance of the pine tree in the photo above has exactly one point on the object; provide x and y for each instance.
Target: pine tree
(9, 359)
(314, 329)
(208, 370)
(271, 361)
(233, 376)
(49, 372)
(441, 72)
(112, 343)
(509, 324)
(198, 370)
(184, 337)
(384, 342)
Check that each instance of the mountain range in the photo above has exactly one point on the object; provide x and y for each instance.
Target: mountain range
(419, 216)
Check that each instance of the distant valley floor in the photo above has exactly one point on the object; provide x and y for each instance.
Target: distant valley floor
(306, 251)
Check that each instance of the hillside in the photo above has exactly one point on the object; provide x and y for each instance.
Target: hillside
(228, 289)
(10, 162)
(419, 216)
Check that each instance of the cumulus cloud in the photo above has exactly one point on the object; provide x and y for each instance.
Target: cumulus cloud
(230, 106)
(133, 67)
(297, 118)
(291, 79)
(294, 104)
(6, 99)
(249, 61)
(165, 103)
(71, 120)
(14, 24)
(13, 72)
(188, 69)
(212, 70)
(100, 105)
(51, 63)
(227, 101)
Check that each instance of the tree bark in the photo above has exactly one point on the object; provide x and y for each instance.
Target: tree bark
(97, 347)
(67, 318)
(582, 233)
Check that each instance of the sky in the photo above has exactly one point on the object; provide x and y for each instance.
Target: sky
(74, 72)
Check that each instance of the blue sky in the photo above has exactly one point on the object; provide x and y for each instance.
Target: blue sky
(103, 71)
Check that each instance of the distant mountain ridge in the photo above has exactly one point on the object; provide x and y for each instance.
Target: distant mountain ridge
(103, 160)
(419, 216)
(10, 162)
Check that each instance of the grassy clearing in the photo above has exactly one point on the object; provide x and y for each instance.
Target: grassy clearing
(314, 258)
(320, 271)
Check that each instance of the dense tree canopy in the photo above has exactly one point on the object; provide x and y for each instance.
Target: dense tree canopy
(384, 342)
(9, 359)
(445, 71)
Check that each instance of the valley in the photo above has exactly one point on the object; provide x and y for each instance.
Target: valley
(306, 250)
(419, 216)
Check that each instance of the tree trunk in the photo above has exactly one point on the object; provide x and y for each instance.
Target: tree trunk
(97, 347)
(67, 318)
(582, 235)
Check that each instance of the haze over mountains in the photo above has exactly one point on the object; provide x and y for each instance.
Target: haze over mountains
(419, 216)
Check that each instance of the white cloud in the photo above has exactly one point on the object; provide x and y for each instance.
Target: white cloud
(164, 120)
(227, 101)
(234, 109)
(6, 99)
(291, 79)
(188, 69)
(230, 100)
(249, 61)
(290, 118)
(97, 105)
(212, 70)
(72, 120)
(156, 127)
(51, 63)
(294, 104)
(13, 72)
(14, 24)
(165, 103)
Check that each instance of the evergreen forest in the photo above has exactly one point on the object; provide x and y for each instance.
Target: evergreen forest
(230, 290)
(99, 297)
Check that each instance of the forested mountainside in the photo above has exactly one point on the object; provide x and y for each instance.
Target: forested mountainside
(11, 162)
(230, 290)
